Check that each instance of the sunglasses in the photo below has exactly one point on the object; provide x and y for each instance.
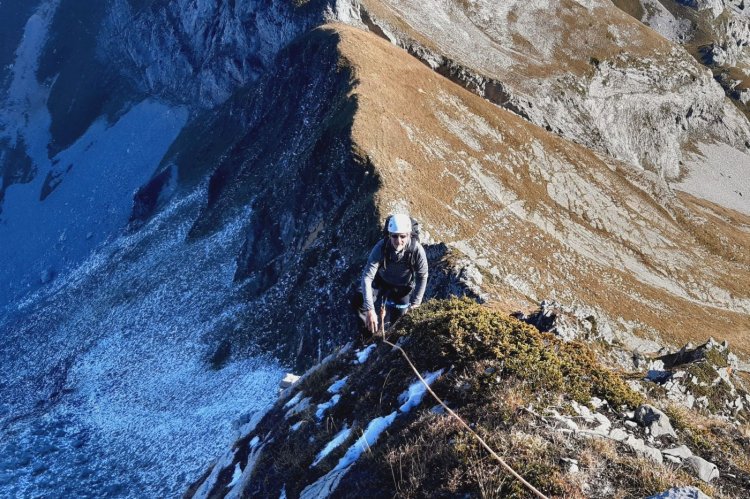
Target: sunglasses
(399, 236)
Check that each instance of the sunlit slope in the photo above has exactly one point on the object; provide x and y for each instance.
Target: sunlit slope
(540, 216)
(584, 70)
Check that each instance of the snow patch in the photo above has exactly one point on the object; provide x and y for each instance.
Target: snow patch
(337, 386)
(300, 406)
(235, 476)
(413, 396)
(322, 408)
(721, 174)
(363, 355)
(292, 401)
(328, 483)
(337, 440)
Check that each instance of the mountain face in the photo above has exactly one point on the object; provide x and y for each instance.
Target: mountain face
(190, 190)
(360, 424)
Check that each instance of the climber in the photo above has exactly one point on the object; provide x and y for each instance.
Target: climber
(396, 272)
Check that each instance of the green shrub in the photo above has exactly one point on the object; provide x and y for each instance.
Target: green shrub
(460, 332)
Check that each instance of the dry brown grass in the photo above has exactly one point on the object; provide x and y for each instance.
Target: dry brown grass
(401, 120)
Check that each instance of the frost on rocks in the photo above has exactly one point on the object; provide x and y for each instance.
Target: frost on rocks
(412, 397)
(210, 481)
(681, 493)
(239, 487)
(136, 406)
(294, 400)
(300, 406)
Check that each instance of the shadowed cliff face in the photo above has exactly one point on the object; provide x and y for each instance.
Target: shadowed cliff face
(310, 198)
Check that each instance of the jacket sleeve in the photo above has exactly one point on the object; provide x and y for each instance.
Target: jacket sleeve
(368, 275)
(421, 273)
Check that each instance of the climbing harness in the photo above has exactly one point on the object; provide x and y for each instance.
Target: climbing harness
(450, 411)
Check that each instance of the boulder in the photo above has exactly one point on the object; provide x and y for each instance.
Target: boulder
(655, 420)
(618, 434)
(703, 469)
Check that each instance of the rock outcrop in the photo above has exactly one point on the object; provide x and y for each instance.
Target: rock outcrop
(594, 95)
(360, 424)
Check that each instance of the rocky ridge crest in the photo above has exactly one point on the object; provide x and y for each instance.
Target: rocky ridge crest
(359, 423)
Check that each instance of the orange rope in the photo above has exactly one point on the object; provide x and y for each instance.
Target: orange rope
(463, 423)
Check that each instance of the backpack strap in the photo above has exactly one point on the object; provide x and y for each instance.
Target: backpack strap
(412, 249)
(411, 254)
(384, 253)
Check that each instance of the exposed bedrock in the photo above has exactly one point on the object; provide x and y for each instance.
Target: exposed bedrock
(635, 102)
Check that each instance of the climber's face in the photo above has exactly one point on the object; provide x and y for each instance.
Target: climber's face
(399, 241)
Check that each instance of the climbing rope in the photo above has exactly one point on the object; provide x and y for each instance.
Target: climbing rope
(461, 421)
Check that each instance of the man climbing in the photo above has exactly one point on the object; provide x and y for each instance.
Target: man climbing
(396, 272)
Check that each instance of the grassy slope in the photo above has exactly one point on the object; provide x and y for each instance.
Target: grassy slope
(502, 376)
(540, 209)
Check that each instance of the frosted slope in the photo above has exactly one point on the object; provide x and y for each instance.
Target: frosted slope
(96, 176)
(106, 384)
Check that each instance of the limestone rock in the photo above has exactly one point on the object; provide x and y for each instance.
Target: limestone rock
(640, 447)
(681, 452)
(681, 493)
(703, 469)
(655, 420)
(618, 434)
